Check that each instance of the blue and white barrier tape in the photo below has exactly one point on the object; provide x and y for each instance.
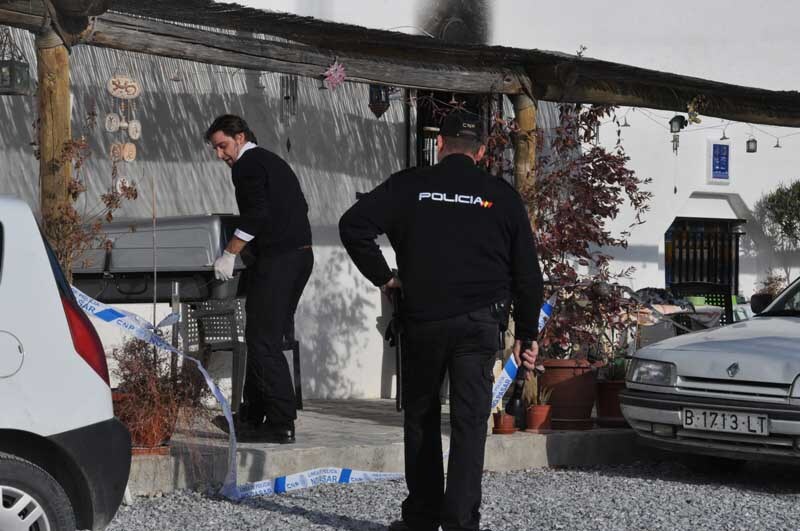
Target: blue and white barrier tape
(145, 331)
(510, 369)
(312, 478)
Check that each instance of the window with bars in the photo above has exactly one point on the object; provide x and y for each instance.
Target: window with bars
(703, 250)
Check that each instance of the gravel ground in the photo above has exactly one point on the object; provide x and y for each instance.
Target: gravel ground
(649, 495)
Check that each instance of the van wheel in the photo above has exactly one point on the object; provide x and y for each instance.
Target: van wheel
(31, 499)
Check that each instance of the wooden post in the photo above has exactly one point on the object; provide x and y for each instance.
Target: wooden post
(54, 123)
(524, 178)
(525, 143)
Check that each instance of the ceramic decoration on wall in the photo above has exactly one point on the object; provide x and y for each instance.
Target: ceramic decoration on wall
(125, 90)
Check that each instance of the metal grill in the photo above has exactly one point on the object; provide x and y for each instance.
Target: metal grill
(728, 389)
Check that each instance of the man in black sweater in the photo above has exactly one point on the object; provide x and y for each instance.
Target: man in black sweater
(464, 247)
(275, 229)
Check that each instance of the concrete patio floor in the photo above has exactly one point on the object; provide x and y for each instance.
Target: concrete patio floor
(361, 435)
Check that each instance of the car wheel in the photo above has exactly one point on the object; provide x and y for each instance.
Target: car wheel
(31, 499)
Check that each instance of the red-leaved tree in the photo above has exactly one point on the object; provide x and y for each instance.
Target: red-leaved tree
(579, 188)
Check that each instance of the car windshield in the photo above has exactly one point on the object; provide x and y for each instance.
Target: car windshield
(787, 303)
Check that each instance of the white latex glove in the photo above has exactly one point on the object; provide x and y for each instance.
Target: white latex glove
(223, 266)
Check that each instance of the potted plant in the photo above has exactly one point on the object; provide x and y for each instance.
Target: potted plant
(579, 188)
(149, 398)
(538, 411)
(610, 381)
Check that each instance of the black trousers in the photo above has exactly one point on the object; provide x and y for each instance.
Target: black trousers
(274, 287)
(465, 346)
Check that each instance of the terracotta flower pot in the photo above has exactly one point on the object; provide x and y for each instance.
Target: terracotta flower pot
(573, 393)
(503, 423)
(538, 418)
(609, 413)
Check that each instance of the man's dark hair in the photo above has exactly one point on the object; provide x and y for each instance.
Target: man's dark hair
(231, 125)
(462, 144)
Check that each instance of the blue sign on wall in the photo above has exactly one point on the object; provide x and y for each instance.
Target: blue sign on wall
(720, 162)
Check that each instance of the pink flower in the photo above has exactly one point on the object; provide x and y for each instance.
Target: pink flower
(334, 75)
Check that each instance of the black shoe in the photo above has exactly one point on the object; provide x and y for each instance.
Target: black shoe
(270, 433)
(278, 433)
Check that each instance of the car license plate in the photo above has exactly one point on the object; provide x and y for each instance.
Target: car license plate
(725, 421)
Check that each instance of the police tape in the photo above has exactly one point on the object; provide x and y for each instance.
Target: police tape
(145, 331)
(313, 478)
(510, 369)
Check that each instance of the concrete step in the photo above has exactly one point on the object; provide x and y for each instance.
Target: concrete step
(361, 435)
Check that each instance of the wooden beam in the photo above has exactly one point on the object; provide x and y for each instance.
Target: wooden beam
(600, 82)
(742, 113)
(545, 76)
(133, 34)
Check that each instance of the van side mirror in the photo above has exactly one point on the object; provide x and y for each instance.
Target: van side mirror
(759, 302)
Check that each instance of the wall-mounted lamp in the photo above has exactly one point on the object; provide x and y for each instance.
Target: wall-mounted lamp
(625, 122)
(378, 99)
(724, 136)
(15, 76)
(752, 145)
(321, 83)
(777, 143)
(677, 123)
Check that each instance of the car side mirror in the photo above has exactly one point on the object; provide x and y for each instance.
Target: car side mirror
(759, 302)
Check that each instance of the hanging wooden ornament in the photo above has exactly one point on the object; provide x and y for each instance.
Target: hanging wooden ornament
(116, 152)
(112, 122)
(134, 129)
(123, 87)
(129, 152)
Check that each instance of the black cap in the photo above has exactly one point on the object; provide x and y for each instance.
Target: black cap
(461, 124)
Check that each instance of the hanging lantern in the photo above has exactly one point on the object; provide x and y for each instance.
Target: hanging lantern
(378, 99)
(677, 123)
(752, 145)
(15, 77)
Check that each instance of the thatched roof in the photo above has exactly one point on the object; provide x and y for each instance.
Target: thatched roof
(233, 35)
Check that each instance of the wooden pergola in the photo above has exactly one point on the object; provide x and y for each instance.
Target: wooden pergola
(246, 38)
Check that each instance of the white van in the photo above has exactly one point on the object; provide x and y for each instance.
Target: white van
(64, 457)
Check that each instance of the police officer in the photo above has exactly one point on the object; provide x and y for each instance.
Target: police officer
(464, 247)
(275, 229)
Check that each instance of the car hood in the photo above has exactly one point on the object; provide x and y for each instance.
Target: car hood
(767, 349)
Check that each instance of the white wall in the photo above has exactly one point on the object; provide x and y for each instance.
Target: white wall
(740, 42)
(337, 148)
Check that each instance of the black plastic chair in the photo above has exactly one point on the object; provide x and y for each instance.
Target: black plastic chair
(218, 326)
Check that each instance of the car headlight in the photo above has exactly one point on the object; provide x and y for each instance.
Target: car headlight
(795, 388)
(651, 372)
